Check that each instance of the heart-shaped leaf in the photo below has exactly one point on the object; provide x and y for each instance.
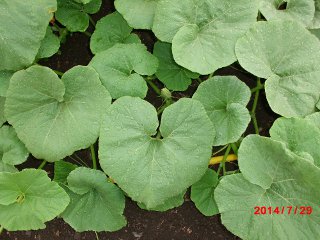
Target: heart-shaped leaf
(23, 26)
(153, 169)
(299, 135)
(175, 77)
(28, 199)
(225, 100)
(95, 199)
(120, 68)
(74, 15)
(12, 150)
(203, 33)
(202, 193)
(277, 179)
(110, 30)
(49, 45)
(55, 117)
(138, 13)
(296, 10)
(286, 54)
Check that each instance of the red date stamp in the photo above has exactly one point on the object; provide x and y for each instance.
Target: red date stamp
(288, 210)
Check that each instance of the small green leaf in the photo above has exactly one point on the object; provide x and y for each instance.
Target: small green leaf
(110, 30)
(74, 15)
(23, 26)
(296, 10)
(153, 169)
(202, 193)
(62, 170)
(96, 204)
(299, 136)
(272, 177)
(55, 117)
(286, 54)
(49, 45)
(175, 77)
(138, 13)
(12, 150)
(225, 100)
(28, 199)
(168, 204)
(203, 33)
(120, 68)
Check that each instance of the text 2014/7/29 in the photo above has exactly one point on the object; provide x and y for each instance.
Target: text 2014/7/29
(289, 210)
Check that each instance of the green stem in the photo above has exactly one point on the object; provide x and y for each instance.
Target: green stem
(254, 107)
(223, 162)
(232, 172)
(44, 162)
(199, 80)
(234, 148)
(87, 34)
(220, 150)
(261, 86)
(92, 21)
(93, 156)
(154, 87)
(58, 73)
(210, 75)
(1, 229)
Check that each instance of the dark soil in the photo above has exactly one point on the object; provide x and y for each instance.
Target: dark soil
(183, 223)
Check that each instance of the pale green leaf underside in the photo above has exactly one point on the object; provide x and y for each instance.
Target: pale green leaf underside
(225, 99)
(12, 150)
(272, 177)
(55, 117)
(203, 33)
(299, 135)
(286, 54)
(96, 204)
(202, 193)
(49, 45)
(296, 10)
(120, 69)
(62, 170)
(168, 204)
(74, 15)
(23, 26)
(174, 77)
(28, 199)
(138, 13)
(156, 169)
(110, 30)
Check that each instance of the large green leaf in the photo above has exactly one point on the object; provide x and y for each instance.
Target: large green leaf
(23, 25)
(74, 15)
(299, 135)
(297, 10)
(96, 204)
(138, 13)
(203, 33)
(120, 68)
(55, 117)
(225, 100)
(152, 169)
(286, 54)
(49, 45)
(175, 77)
(12, 150)
(272, 176)
(202, 193)
(168, 204)
(315, 24)
(28, 199)
(314, 119)
(4, 84)
(110, 30)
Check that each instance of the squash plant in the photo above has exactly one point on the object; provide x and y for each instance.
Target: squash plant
(153, 155)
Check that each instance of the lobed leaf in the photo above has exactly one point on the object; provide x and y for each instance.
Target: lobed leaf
(55, 117)
(153, 169)
(225, 99)
(286, 54)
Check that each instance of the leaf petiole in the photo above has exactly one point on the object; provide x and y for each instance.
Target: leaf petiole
(44, 162)
(93, 156)
(254, 107)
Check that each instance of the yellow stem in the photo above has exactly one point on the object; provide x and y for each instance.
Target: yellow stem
(218, 159)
